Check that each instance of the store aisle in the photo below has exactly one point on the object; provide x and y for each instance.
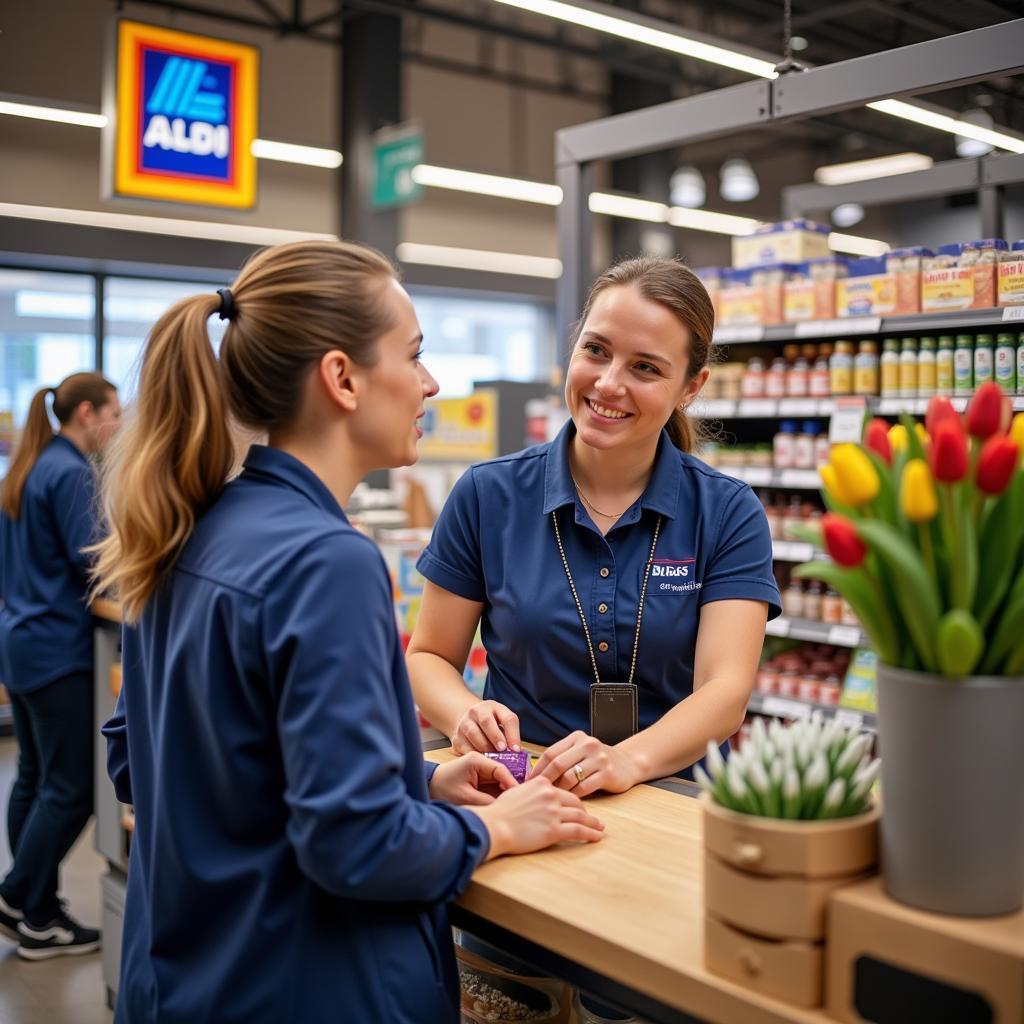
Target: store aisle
(66, 990)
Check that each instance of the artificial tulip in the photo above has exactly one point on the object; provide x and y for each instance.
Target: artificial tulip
(1017, 430)
(996, 464)
(898, 438)
(948, 453)
(985, 413)
(922, 434)
(855, 474)
(876, 437)
(918, 499)
(833, 488)
(940, 409)
(842, 542)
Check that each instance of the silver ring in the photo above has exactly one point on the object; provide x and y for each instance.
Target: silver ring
(577, 770)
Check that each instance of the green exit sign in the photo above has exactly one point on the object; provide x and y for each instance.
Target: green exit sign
(396, 152)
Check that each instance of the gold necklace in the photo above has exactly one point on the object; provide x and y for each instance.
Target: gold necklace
(593, 507)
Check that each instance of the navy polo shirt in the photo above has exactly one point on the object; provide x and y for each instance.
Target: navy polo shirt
(287, 862)
(45, 624)
(494, 542)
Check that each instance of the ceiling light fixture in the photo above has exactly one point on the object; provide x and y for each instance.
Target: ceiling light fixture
(290, 153)
(630, 207)
(479, 259)
(845, 215)
(708, 220)
(868, 170)
(738, 183)
(687, 188)
(945, 123)
(856, 245)
(969, 147)
(487, 184)
(59, 114)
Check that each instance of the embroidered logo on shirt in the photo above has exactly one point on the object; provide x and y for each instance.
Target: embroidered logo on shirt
(673, 575)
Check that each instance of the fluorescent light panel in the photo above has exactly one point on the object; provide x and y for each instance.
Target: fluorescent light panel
(856, 245)
(876, 167)
(290, 153)
(487, 184)
(57, 114)
(629, 207)
(479, 259)
(944, 123)
(708, 220)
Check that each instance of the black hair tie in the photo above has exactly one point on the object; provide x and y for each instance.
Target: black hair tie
(227, 309)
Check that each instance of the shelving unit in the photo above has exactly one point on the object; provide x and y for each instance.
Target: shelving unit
(791, 707)
(816, 632)
(764, 476)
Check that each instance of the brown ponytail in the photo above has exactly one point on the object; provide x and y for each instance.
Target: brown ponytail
(38, 432)
(671, 284)
(292, 304)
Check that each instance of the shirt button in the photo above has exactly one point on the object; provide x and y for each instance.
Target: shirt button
(604, 573)
(602, 608)
(602, 647)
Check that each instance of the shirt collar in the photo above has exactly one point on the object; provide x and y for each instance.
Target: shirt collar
(70, 446)
(285, 469)
(662, 491)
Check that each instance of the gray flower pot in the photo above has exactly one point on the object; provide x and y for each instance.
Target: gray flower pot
(952, 831)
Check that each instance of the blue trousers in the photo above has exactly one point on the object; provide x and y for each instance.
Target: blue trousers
(52, 796)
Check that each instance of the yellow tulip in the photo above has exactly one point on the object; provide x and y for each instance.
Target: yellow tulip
(898, 437)
(922, 434)
(1017, 431)
(830, 482)
(856, 476)
(918, 499)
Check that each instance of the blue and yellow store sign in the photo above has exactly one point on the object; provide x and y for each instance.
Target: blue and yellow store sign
(185, 115)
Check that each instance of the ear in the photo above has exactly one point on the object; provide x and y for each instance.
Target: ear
(82, 414)
(693, 388)
(340, 380)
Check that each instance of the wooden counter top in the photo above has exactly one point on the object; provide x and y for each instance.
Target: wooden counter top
(630, 907)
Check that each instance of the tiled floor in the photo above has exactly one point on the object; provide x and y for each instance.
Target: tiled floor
(66, 990)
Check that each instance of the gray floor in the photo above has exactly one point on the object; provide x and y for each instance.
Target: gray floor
(67, 990)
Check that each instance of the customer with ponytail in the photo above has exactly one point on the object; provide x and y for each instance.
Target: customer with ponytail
(47, 521)
(621, 584)
(292, 854)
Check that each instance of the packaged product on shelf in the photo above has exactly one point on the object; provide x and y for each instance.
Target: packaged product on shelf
(889, 376)
(944, 366)
(773, 511)
(1011, 275)
(793, 600)
(775, 379)
(1006, 363)
(865, 369)
(906, 265)
(739, 302)
(868, 289)
(788, 241)
(861, 681)
(819, 380)
(753, 379)
(831, 608)
(767, 680)
(810, 291)
(982, 258)
(1020, 364)
(849, 616)
(984, 359)
(908, 368)
(793, 516)
(946, 286)
(771, 280)
(822, 449)
(812, 601)
(730, 380)
(829, 690)
(797, 372)
(711, 278)
(840, 367)
(927, 381)
(804, 446)
(963, 365)
(784, 445)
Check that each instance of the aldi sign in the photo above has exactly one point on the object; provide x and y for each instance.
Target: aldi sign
(181, 117)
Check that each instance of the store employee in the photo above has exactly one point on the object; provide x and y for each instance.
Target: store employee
(610, 555)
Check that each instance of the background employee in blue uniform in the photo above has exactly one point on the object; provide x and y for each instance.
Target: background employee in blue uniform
(46, 520)
(610, 555)
(291, 858)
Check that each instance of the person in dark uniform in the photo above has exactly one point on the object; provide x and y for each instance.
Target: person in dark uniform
(47, 520)
(292, 855)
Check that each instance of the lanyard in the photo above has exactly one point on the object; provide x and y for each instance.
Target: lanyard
(579, 607)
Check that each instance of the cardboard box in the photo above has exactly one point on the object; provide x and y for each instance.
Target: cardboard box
(949, 290)
(870, 290)
(740, 304)
(1010, 277)
(789, 241)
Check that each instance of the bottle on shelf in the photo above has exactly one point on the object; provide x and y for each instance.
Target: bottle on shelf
(804, 446)
(753, 379)
(944, 359)
(1020, 363)
(819, 381)
(797, 372)
(963, 365)
(908, 368)
(890, 369)
(831, 608)
(1006, 363)
(927, 383)
(984, 352)
(775, 379)
(865, 369)
(793, 600)
(783, 445)
(840, 366)
(822, 449)
(812, 601)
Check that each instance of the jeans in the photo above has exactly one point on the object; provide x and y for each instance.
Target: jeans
(52, 796)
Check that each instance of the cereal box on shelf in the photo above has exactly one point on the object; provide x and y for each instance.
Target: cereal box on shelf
(788, 241)
(868, 290)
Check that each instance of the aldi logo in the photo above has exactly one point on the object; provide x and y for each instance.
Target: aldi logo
(184, 117)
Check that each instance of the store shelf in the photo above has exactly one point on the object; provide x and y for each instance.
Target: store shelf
(764, 476)
(809, 330)
(791, 707)
(783, 408)
(794, 551)
(816, 632)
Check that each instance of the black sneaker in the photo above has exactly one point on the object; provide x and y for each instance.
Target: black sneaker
(10, 917)
(63, 936)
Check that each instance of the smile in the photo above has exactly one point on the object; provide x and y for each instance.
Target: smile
(604, 412)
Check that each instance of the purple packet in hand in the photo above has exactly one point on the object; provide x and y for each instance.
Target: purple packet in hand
(516, 761)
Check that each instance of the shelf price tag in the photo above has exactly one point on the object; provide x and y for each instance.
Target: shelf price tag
(844, 636)
(784, 708)
(757, 407)
(847, 423)
(1013, 313)
(834, 328)
(847, 718)
(740, 332)
(798, 407)
(778, 627)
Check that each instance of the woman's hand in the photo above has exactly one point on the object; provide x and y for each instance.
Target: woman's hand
(534, 816)
(584, 765)
(487, 726)
(461, 781)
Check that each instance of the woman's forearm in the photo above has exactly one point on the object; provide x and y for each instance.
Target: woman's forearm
(439, 689)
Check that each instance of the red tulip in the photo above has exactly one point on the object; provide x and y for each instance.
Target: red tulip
(948, 453)
(996, 464)
(985, 413)
(876, 437)
(842, 542)
(940, 409)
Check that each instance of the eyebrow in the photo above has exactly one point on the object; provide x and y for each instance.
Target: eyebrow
(652, 357)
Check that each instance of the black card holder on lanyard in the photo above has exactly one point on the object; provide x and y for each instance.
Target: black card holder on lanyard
(614, 711)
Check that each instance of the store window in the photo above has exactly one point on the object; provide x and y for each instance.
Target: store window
(46, 332)
(469, 338)
(130, 308)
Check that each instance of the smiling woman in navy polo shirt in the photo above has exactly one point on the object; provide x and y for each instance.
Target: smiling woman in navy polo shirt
(609, 556)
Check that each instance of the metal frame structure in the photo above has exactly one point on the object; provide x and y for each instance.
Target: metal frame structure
(908, 71)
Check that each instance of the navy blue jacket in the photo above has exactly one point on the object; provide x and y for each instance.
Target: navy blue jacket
(45, 625)
(287, 863)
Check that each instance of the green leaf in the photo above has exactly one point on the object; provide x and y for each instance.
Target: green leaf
(1000, 544)
(915, 450)
(959, 643)
(1009, 629)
